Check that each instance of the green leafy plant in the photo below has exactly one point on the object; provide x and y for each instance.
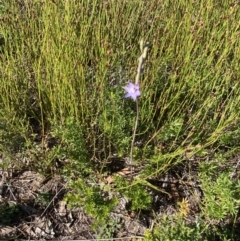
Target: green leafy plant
(221, 198)
(175, 228)
(135, 192)
(106, 231)
(8, 213)
(44, 198)
(95, 201)
(73, 148)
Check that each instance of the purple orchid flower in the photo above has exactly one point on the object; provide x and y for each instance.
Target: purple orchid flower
(133, 91)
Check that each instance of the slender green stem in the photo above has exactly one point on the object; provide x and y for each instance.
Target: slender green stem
(134, 133)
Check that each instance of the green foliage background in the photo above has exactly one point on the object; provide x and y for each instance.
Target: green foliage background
(63, 65)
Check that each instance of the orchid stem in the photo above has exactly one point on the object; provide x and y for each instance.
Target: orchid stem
(134, 134)
(141, 60)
